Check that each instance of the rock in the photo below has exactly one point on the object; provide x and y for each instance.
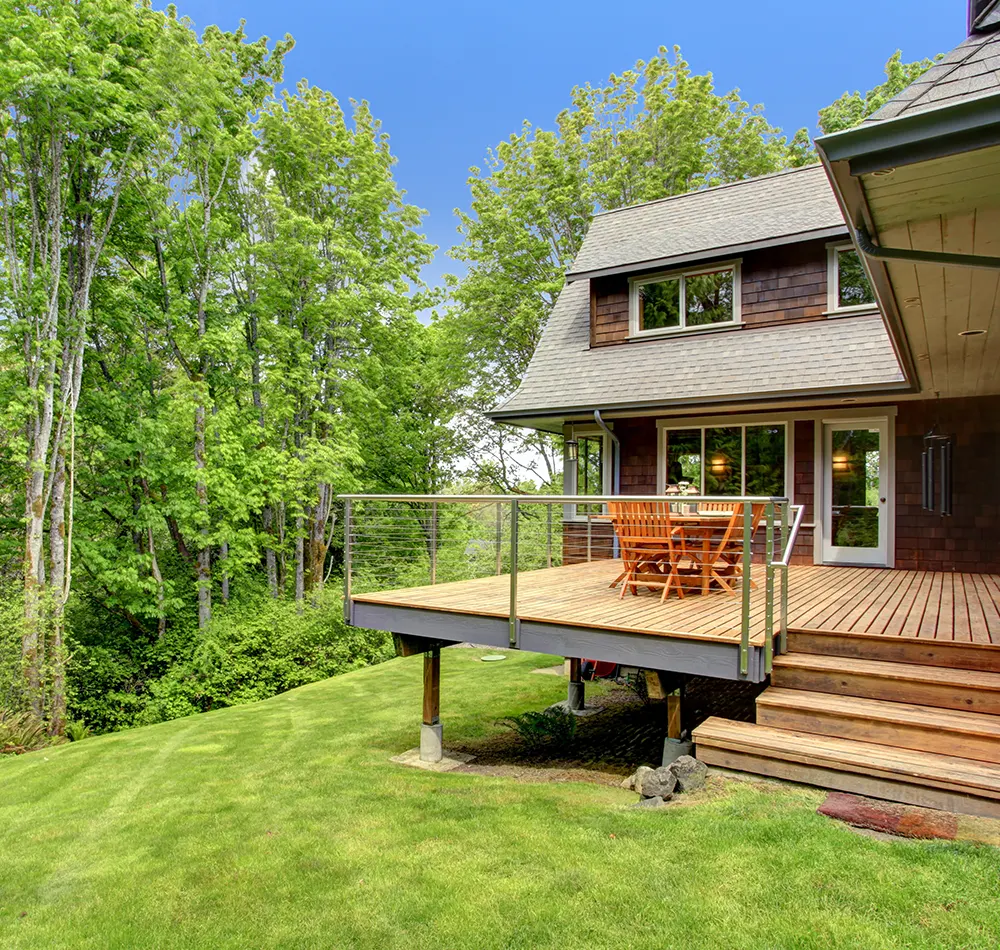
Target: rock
(689, 772)
(653, 802)
(634, 781)
(659, 783)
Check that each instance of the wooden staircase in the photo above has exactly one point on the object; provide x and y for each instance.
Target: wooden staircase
(901, 719)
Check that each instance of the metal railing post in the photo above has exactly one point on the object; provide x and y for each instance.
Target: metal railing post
(514, 623)
(769, 590)
(745, 619)
(548, 537)
(785, 515)
(434, 541)
(590, 536)
(348, 527)
(499, 538)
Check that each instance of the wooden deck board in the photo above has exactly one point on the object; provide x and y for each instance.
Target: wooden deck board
(873, 601)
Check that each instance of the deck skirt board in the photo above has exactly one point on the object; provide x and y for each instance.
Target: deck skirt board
(875, 602)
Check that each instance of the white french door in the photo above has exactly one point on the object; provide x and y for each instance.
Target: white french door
(857, 494)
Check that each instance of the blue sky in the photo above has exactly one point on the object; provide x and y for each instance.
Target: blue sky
(449, 79)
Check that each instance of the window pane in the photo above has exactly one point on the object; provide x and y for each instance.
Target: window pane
(766, 460)
(724, 461)
(590, 471)
(684, 457)
(709, 298)
(855, 502)
(853, 287)
(660, 305)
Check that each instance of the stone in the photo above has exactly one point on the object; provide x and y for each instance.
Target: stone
(909, 821)
(634, 781)
(659, 783)
(653, 802)
(689, 772)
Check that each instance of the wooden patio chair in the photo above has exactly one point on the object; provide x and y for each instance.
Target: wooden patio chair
(720, 557)
(652, 546)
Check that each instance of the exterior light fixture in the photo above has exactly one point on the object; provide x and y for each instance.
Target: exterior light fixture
(719, 464)
(883, 172)
(911, 301)
(972, 333)
(849, 399)
(572, 448)
(841, 462)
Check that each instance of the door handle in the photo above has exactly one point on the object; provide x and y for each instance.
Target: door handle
(882, 500)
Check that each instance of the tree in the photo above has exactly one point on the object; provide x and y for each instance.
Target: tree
(852, 108)
(653, 131)
(82, 108)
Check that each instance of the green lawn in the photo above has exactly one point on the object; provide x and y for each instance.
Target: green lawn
(283, 824)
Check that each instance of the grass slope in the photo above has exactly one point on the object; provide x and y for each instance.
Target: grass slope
(282, 824)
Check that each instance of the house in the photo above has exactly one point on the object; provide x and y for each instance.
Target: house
(825, 340)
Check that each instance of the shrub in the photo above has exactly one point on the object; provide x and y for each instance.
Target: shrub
(76, 730)
(550, 730)
(21, 732)
(261, 647)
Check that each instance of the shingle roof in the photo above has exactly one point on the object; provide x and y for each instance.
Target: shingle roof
(566, 374)
(970, 71)
(770, 208)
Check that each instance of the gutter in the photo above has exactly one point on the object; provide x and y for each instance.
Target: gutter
(879, 252)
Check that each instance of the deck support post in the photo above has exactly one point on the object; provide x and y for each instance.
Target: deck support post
(575, 689)
(674, 718)
(676, 744)
(431, 749)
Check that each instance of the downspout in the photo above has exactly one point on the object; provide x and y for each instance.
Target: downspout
(870, 249)
(616, 453)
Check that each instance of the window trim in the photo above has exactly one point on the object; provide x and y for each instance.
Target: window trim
(663, 426)
(635, 283)
(833, 307)
(578, 432)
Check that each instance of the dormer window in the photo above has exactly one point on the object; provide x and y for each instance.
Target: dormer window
(848, 289)
(675, 301)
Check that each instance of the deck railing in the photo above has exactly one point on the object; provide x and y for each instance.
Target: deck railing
(403, 541)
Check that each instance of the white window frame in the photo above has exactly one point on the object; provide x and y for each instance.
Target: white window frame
(577, 432)
(833, 281)
(663, 426)
(636, 282)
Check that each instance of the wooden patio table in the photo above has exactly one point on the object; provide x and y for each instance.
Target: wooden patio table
(700, 526)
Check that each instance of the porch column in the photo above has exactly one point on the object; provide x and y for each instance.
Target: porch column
(575, 689)
(430, 729)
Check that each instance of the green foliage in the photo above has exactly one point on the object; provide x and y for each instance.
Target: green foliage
(77, 731)
(259, 648)
(551, 730)
(852, 108)
(21, 732)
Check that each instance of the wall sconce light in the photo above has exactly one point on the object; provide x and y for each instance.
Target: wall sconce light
(841, 462)
(719, 465)
(572, 448)
(936, 473)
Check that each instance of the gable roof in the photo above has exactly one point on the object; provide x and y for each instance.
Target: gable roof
(970, 71)
(823, 357)
(793, 205)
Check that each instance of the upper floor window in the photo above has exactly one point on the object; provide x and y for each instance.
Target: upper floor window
(685, 300)
(847, 282)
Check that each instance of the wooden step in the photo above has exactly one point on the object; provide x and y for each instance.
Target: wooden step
(970, 690)
(865, 768)
(959, 656)
(904, 725)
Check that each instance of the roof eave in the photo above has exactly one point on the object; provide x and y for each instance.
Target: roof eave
(893, 143)
(893, 387)
(918, 137)
(708, 254)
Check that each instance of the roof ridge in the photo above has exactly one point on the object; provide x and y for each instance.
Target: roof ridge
(710, 190)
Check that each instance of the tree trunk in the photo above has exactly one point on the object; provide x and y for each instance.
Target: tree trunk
(300, 579)
(204, 562)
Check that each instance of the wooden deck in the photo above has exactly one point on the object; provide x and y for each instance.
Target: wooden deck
(858, 600)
